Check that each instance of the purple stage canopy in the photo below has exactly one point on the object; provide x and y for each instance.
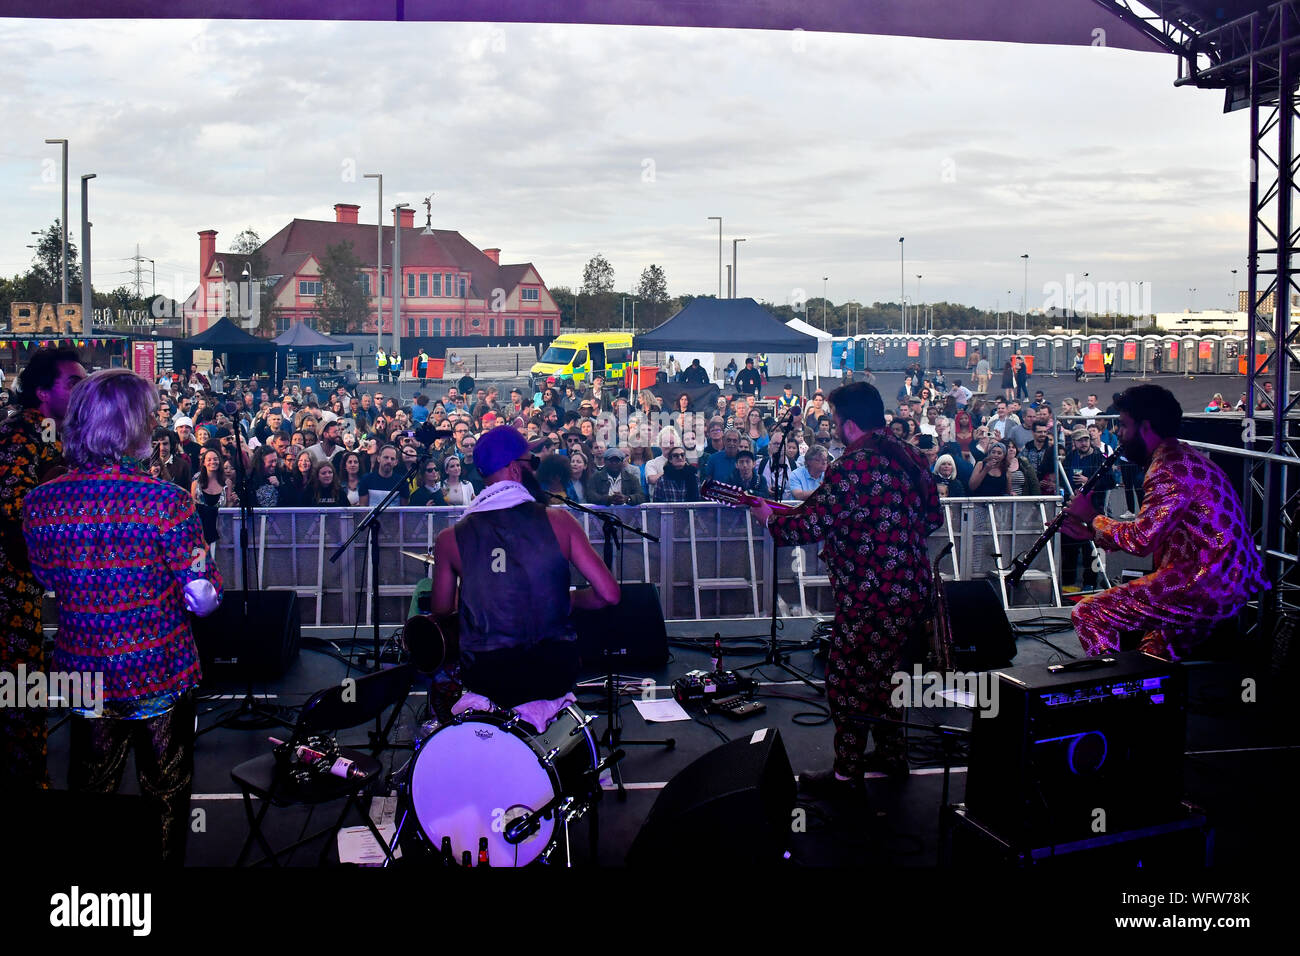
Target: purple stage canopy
(1065, 22)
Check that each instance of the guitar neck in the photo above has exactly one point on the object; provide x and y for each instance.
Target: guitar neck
(737, 497)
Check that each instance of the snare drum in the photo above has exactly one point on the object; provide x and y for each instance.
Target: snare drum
(473, 776)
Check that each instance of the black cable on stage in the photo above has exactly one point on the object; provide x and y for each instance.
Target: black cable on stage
(821, 715)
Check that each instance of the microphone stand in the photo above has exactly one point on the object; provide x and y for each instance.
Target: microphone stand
(775, 657)
(249, 714)
(612, 738)
(370, 523)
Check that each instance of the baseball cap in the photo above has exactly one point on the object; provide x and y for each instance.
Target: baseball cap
(498, 448)
(1080, 432)
(614, 451)
(183, 421)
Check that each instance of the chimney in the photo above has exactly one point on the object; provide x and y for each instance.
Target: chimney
(207, 249)
(345, 212)
(407, 220)
(493, 254)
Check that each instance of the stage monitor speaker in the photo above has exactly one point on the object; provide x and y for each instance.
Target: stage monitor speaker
(1072, 754)
(735, 803)
(632, 631)
(981, 634)
(264, 651)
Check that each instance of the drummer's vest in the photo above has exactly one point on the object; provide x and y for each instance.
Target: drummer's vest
(514, 582)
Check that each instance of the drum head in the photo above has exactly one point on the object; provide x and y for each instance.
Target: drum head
(470, 780)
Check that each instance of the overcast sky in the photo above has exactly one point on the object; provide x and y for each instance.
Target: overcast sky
(558, 142)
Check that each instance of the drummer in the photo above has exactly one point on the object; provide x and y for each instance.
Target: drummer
(505, 568)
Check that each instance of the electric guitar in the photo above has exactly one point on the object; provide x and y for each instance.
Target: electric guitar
(737, 498)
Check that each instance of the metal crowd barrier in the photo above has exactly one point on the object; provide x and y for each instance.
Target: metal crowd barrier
(711, 561)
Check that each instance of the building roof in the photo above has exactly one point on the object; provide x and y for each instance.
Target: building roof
(285, 252)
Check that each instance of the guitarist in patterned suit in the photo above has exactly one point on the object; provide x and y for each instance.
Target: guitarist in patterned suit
(874, 510)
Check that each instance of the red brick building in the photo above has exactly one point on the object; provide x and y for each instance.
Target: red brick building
(450, 286)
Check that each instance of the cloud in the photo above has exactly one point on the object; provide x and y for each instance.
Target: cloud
(556, 142)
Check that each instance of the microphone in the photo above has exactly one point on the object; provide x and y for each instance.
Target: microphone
(521, 828)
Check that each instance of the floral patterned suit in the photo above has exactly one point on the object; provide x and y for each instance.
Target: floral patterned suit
(26, 459)
(874, 510)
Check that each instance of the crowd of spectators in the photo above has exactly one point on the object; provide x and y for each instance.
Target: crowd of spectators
(343, 448)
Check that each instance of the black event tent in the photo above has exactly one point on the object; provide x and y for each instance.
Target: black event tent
(302, 339)
(244, 353)
(723, 325)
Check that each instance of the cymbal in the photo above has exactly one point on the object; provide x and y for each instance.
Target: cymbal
(426, 558)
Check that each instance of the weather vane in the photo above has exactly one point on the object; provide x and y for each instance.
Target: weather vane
(428, 214)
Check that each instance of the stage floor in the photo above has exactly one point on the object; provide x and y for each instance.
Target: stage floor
(1237, 752)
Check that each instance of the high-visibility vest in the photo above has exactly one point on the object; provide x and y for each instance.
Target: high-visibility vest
(381, 359)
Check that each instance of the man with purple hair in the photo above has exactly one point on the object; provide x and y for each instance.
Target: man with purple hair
(124, 554)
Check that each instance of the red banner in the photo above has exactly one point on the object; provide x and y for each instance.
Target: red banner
(913, 349)
(144, 360)
(1094, 350)
(1173, 351)
(1207, 350)
(1130, 351)
(959, 348)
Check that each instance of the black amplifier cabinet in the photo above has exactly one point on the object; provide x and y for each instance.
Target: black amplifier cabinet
(1076, 753)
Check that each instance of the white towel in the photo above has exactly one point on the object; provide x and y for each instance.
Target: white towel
(499, 496)
(540, 714)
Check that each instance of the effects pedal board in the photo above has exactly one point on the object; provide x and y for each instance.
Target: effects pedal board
(700, 687)
(737, 706)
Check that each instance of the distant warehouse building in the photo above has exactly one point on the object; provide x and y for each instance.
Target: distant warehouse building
(450, 287)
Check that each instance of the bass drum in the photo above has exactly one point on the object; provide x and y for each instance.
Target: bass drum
(473, 776)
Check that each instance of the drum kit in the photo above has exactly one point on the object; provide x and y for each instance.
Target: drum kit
(491, 776)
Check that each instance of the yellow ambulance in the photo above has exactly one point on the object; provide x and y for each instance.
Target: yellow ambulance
(579, 356)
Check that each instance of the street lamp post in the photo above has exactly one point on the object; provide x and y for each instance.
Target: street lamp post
(379, 262)
(1026, 298)
(902, 294)
(397, 282)
(63, 221)
(920, 315)
(1232, 293)
(735, 270)
(719, 218)
(86, 298)
(247, 277)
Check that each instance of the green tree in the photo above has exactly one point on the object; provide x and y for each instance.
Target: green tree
(652, 290)
(44, 279)
(597, 276)
(246, 243)
(342, 305)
